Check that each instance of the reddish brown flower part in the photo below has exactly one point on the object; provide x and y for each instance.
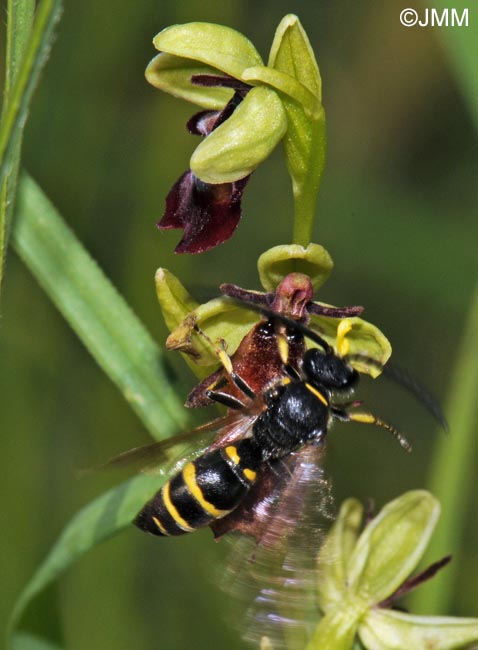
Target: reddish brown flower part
(207, 213)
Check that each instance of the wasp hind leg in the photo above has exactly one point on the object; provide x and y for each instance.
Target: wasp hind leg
(225, 359)
(366, 417)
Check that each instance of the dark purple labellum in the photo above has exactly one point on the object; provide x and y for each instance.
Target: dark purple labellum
(203, 123)
(208, 213)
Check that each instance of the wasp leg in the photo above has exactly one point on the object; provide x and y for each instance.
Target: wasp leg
(225, 399)
(369, 418)
(292, 372)
(225, 359)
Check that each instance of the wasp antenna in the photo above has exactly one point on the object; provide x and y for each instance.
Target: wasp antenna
(369, 418)
(288, 322)
(404, 379)
(365, 359)
(334, 312)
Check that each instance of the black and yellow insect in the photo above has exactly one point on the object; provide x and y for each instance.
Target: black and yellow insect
(293, 414)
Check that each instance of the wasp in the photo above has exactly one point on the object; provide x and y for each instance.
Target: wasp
(229, 485)
(258, 470)
(283, 399)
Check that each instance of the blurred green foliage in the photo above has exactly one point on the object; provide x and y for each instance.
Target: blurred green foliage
(397, 212)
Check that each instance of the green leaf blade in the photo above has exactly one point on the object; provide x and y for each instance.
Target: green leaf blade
(27, 51)
(452, 470)
(105, 516)
(97, 313)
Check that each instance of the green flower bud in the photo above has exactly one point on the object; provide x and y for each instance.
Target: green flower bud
(392, 545)
(385, 629)
(221, 47)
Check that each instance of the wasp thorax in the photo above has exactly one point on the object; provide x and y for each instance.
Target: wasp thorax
(328, 370)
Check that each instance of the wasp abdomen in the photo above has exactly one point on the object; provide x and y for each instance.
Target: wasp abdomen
(206, 489)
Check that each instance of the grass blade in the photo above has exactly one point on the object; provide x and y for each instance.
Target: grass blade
(27, 641)
(95, 310)
(461, 48)
(100, 519)
(451, 472)
(27, 51)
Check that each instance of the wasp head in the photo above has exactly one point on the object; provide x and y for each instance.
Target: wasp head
(328, 370)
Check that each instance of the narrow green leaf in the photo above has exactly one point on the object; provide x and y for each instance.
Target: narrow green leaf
(19, 25)
(31, 48)
(216, 45)
(26, 641)
(94, 309)
(461, 47)
(26, 77)
(102, 518)
(452, 470)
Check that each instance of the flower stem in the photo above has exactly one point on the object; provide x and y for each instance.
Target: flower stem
(304, 213)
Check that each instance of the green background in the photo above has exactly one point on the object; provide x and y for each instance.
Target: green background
(397, 212)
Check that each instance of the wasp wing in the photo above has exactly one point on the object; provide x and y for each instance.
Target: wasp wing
(406, 380)
(180, 448)
(285, 513)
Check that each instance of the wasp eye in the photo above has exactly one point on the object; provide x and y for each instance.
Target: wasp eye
(328, 370)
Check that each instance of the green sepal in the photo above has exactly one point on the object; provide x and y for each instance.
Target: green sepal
(241, 143)
(279, 261)
(286, 84)
(176, 304)
(173, 297)
(365, 340)
(305, 140)
(391, 546)
(291, 43)
(172, 74)
(221, 47)
(220, 319)
(384, 629)
(334, 555)
(305, 148)
(337, 629)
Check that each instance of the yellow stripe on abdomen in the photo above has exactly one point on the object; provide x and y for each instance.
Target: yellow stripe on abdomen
(173, 511)
(189, 477)
(160, 526)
